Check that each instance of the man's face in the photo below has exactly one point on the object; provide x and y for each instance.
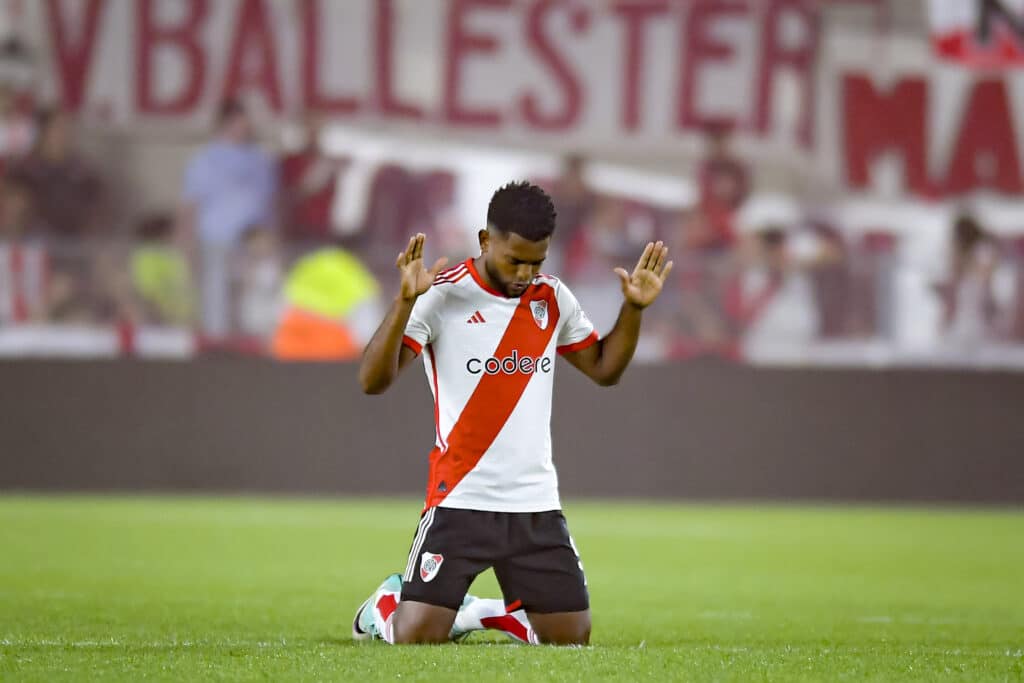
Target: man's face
(58, 134)
(512, 261)
(15, 203)
(238, 128)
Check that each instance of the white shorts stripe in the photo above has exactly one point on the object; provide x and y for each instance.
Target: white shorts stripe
(417, 544)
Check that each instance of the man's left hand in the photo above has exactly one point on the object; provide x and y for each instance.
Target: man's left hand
(644, 285)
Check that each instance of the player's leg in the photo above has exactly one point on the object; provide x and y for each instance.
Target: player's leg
(419, 622)
(480, 614)
(544, 581)
(560, 628)
(454, 547)
(448, 551)
(374, 617)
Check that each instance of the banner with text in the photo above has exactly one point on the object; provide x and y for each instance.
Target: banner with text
(639, 77)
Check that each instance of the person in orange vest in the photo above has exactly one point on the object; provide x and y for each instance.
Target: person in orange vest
(331, 307)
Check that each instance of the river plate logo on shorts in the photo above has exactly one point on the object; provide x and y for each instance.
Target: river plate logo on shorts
(540, 313)
(430, 563)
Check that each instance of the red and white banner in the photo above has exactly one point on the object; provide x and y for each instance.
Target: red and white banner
(587, 67)
(978, 33)
(615, 78)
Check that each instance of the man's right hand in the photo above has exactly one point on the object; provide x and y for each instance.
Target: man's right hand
(416, 279)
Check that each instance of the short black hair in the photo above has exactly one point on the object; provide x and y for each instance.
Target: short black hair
(968, 231)
(523, 208)
(229, 109)
(155, 226)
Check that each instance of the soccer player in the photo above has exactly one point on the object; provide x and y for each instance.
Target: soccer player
(488, 330)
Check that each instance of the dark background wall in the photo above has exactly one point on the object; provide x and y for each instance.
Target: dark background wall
(699, 430)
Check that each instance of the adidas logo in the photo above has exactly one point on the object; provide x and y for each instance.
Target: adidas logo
(476, 319)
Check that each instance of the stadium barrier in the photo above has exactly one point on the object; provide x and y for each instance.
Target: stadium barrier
(698, 430)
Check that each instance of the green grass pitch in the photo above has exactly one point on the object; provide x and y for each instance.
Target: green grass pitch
(196, 589)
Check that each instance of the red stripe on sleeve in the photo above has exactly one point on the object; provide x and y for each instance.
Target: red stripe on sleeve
(580, 345)
(412, 344)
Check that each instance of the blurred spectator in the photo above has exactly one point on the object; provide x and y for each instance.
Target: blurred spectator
(724, 186)
(574, 203)
(1016, 308)
(18, 217)
(704, 278)
(24, 261)
(602, 245)
(17, 126)
(68, 193)
(112, 294)
(436, 200)
(258, 281)
(709, 263)
(41, 280)
(776, 304)
(403, 199)
(724, 179)
(160, 274)
(230, 185)
(968, 303)
(832, 284)
(872, 270)
(309, 181)
(332, 308)
(603, 239)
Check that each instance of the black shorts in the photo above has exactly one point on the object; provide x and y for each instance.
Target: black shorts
(533, 556)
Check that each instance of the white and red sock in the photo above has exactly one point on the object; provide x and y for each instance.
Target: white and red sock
(492, 614)
(481, 614)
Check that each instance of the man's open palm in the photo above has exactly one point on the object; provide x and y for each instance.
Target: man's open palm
(416, 279)
(643, 285)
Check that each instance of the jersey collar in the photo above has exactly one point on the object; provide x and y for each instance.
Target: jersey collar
(480, 281)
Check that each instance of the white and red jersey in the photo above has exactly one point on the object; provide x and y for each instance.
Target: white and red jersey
(490, 362)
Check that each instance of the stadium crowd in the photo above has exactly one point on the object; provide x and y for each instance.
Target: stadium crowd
(254, 260)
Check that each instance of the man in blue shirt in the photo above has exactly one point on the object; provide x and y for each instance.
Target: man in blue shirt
(230, 186)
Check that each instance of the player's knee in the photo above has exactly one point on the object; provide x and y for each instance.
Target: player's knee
(576, 633)
(420, 633)
(419, 637)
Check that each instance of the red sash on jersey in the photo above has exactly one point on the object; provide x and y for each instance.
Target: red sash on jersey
(494, 399)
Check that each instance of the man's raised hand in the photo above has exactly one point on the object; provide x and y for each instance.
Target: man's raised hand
(642, 286)
(416, 279)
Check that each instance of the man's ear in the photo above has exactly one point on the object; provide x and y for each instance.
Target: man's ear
(484, 238)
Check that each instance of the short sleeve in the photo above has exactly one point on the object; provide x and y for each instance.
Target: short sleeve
(195, 179)
(271, 175)
(423, 327)
(576, 331)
